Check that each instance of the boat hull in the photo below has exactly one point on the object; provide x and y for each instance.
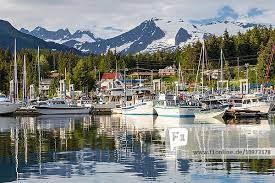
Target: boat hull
(176, 111)
(69, 110)
(117, 110)
(209, 114)
(8, 108)
(145, 108)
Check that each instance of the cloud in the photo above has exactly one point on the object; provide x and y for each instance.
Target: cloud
(126, 14)
(228, 13)
(255, 12)
(225, 13)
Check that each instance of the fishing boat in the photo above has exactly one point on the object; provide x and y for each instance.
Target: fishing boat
(210, 113)
(6, 106)
(60, 106)
(211, 108)
(140, 108)
(170, 106)
(252, 103)
(85, 102)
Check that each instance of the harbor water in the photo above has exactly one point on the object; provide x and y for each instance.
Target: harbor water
(133, 148)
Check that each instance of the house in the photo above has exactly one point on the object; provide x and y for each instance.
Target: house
(144, 75)
(108, 80)
(167, 71)
(45, 86)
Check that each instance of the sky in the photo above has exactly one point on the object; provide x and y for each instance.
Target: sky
(121, 15)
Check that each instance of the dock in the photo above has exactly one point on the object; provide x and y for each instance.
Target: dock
(102, 109)
(95, 110)
(26, 112)
(240, 114)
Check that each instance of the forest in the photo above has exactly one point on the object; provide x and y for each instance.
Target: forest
(252, 49)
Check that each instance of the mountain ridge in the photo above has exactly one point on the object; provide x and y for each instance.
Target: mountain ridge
(8, 34)
(149, 36)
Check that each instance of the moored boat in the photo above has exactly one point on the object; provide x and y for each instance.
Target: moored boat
(173, 108)
(208, 114)
(250, 103)
(141, 108)
(60, 106)
(211, 108)
(6, 106)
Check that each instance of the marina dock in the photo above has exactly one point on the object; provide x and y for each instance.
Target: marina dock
(96, 110)
(26, 112)
(240, 114)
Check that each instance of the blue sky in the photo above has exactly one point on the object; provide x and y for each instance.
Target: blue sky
(228, 13)
(126, 14)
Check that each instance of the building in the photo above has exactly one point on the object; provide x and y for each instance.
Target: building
(143, 75)
(107, 80)
(45, 86)
(167, 71)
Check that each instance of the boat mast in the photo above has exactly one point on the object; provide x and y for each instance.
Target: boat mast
(38, 67)
(221, 69)
(125, 95)
(15, 75)
(116, 67)
(202, 68)
(197, 75)
(179, 77)
(24, 80)
(65, 87)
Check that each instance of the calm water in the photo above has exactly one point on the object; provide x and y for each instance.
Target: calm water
(134, 149)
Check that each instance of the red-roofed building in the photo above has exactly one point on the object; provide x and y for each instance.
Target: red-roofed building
(112, 76)
(107, 80)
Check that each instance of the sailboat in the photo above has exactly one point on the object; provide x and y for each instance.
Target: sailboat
(6, 105)
(171, 106)
(60, 105)
(211, 108)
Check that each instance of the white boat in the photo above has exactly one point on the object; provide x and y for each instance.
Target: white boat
(141, 108)
(250, 103)
(60, 106)
(84, 102)
(176, 111)
(172, 108)
(208, 114)
(6, 106)
(211, 108)
(117, 109)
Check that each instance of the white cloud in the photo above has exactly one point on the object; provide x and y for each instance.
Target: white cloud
(122, 14)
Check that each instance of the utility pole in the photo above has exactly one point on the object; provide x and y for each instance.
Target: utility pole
(256, 79)
(246, 66)
(152, 78)
(238, 60)
(116, 69)
(221, 70)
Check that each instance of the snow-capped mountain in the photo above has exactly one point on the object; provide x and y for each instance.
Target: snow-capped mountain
(63, 36)
(151, 35)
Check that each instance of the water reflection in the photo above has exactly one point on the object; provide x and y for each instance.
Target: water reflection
(104, 148)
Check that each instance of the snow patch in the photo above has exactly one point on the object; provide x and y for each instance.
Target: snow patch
(124, 47)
